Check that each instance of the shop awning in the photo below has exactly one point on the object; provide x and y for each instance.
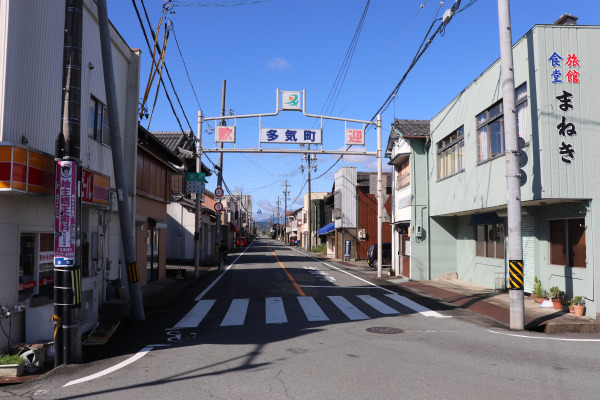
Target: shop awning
(233, 227)
(489, 218)
(326, 229)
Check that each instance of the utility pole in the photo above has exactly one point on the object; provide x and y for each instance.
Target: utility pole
(135, 292)
(515, 240)
(198, 208)
(285, 194)
(220, 167)
(309, 242)
(67, 225)
(278, 224)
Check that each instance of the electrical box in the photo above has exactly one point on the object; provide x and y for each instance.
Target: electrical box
(362, 234)
(419, 232)
(97, 246)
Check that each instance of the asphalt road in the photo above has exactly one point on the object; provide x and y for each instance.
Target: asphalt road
(278, 324)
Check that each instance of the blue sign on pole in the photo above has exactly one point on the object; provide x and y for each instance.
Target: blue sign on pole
(347, 248)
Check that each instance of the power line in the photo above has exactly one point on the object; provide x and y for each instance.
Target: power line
(185, 67)
(150, 50)
(420, 52)
(221, 4)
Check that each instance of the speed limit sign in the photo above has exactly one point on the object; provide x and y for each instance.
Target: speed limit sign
(218, 207)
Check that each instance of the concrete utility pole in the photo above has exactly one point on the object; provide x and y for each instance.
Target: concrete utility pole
(278, 224)
(309, 241)
(135, 292)
(198, 205)
(67, 278)
(379, 199)
(285, 194)
(220, 168)
(515, 240)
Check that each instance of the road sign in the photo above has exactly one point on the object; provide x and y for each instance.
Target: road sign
(219, 192)
(259, 212)
(195, 182)
(218, 206)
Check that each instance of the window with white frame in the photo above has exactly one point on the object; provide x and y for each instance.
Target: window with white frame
(98, 122)
(450, 153)
(490, 126)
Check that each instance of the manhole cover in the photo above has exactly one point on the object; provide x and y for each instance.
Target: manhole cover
(384, 330)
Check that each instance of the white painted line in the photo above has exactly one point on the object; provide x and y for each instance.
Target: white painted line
(377, 304)
(107, 371)
(201, 295)
(193, 318)
(236, 313)
(275, 313)
(347, 308)
(416, 307)
(311, 309)
(544, 337)
(336, 287)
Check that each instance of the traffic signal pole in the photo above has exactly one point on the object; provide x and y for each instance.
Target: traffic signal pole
(515, 240)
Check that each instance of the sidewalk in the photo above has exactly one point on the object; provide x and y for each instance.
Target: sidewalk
(488, 302)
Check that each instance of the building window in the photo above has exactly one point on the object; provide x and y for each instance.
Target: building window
(36, 264)
(489, 241)
(450, 153)
(490, 126)
(567, 242)
(98, 122)
(403, 177)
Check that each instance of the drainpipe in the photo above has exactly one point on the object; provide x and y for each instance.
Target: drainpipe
(427, 146)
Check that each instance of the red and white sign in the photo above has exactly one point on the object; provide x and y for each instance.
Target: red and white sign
(218, 193)
(225, 134)
(355, 136)
(65, 213)
(218, 206)
(87, 186)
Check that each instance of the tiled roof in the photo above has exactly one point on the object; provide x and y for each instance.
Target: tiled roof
(411, 127)
(174, 140)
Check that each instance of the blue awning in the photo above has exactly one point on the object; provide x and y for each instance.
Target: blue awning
(326, 229)
(489, 218)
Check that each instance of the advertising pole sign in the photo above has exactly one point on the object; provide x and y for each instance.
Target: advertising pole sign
(65, 213)
(347, 246)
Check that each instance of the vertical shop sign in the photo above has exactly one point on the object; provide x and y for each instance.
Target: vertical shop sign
(65, 213)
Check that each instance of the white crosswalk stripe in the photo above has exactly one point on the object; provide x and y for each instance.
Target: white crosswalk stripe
(236, 313)
(311, 309)
(275, 313)
(377, 304)
(347, 308)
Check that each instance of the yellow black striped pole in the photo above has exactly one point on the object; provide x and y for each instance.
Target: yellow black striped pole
(515, 277)
(132, 272)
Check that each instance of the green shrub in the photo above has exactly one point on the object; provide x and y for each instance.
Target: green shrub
(8, 359)
(321, 249)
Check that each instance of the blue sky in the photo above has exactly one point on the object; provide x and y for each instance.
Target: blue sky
(263, 46)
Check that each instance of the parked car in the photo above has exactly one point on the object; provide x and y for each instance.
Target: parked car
(242, 241)
(386, 256)
(294, 241)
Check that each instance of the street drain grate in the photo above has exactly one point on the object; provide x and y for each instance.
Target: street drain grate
(384, 330)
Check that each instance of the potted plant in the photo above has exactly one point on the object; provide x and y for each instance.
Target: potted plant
(557, 296)
(539, 294)
(11, 365)
(578, 305)
(570, 306)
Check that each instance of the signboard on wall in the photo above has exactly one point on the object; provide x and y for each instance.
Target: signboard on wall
(65, 213)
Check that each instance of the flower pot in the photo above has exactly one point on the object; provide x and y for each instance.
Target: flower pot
(578, 310)
(556, 304)
(540, 300)
(12, 370)
(571, 310)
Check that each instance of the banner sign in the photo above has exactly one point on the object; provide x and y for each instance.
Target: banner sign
(347, 247)
(355, 136)
(225, 134)
(290, 136)
(65, 213)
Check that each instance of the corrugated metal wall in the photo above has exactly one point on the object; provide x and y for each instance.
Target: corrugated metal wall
(33, 76)
(345, 183)
(367, 220)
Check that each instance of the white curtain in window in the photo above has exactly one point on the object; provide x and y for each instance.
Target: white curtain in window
(523, 121)
(484, 152)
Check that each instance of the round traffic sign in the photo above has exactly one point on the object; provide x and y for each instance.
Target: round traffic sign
(219, 206)
(219, 192)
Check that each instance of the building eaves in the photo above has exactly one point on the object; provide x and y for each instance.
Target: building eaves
(411, 128)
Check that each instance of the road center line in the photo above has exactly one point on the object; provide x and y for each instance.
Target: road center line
(300, 292)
